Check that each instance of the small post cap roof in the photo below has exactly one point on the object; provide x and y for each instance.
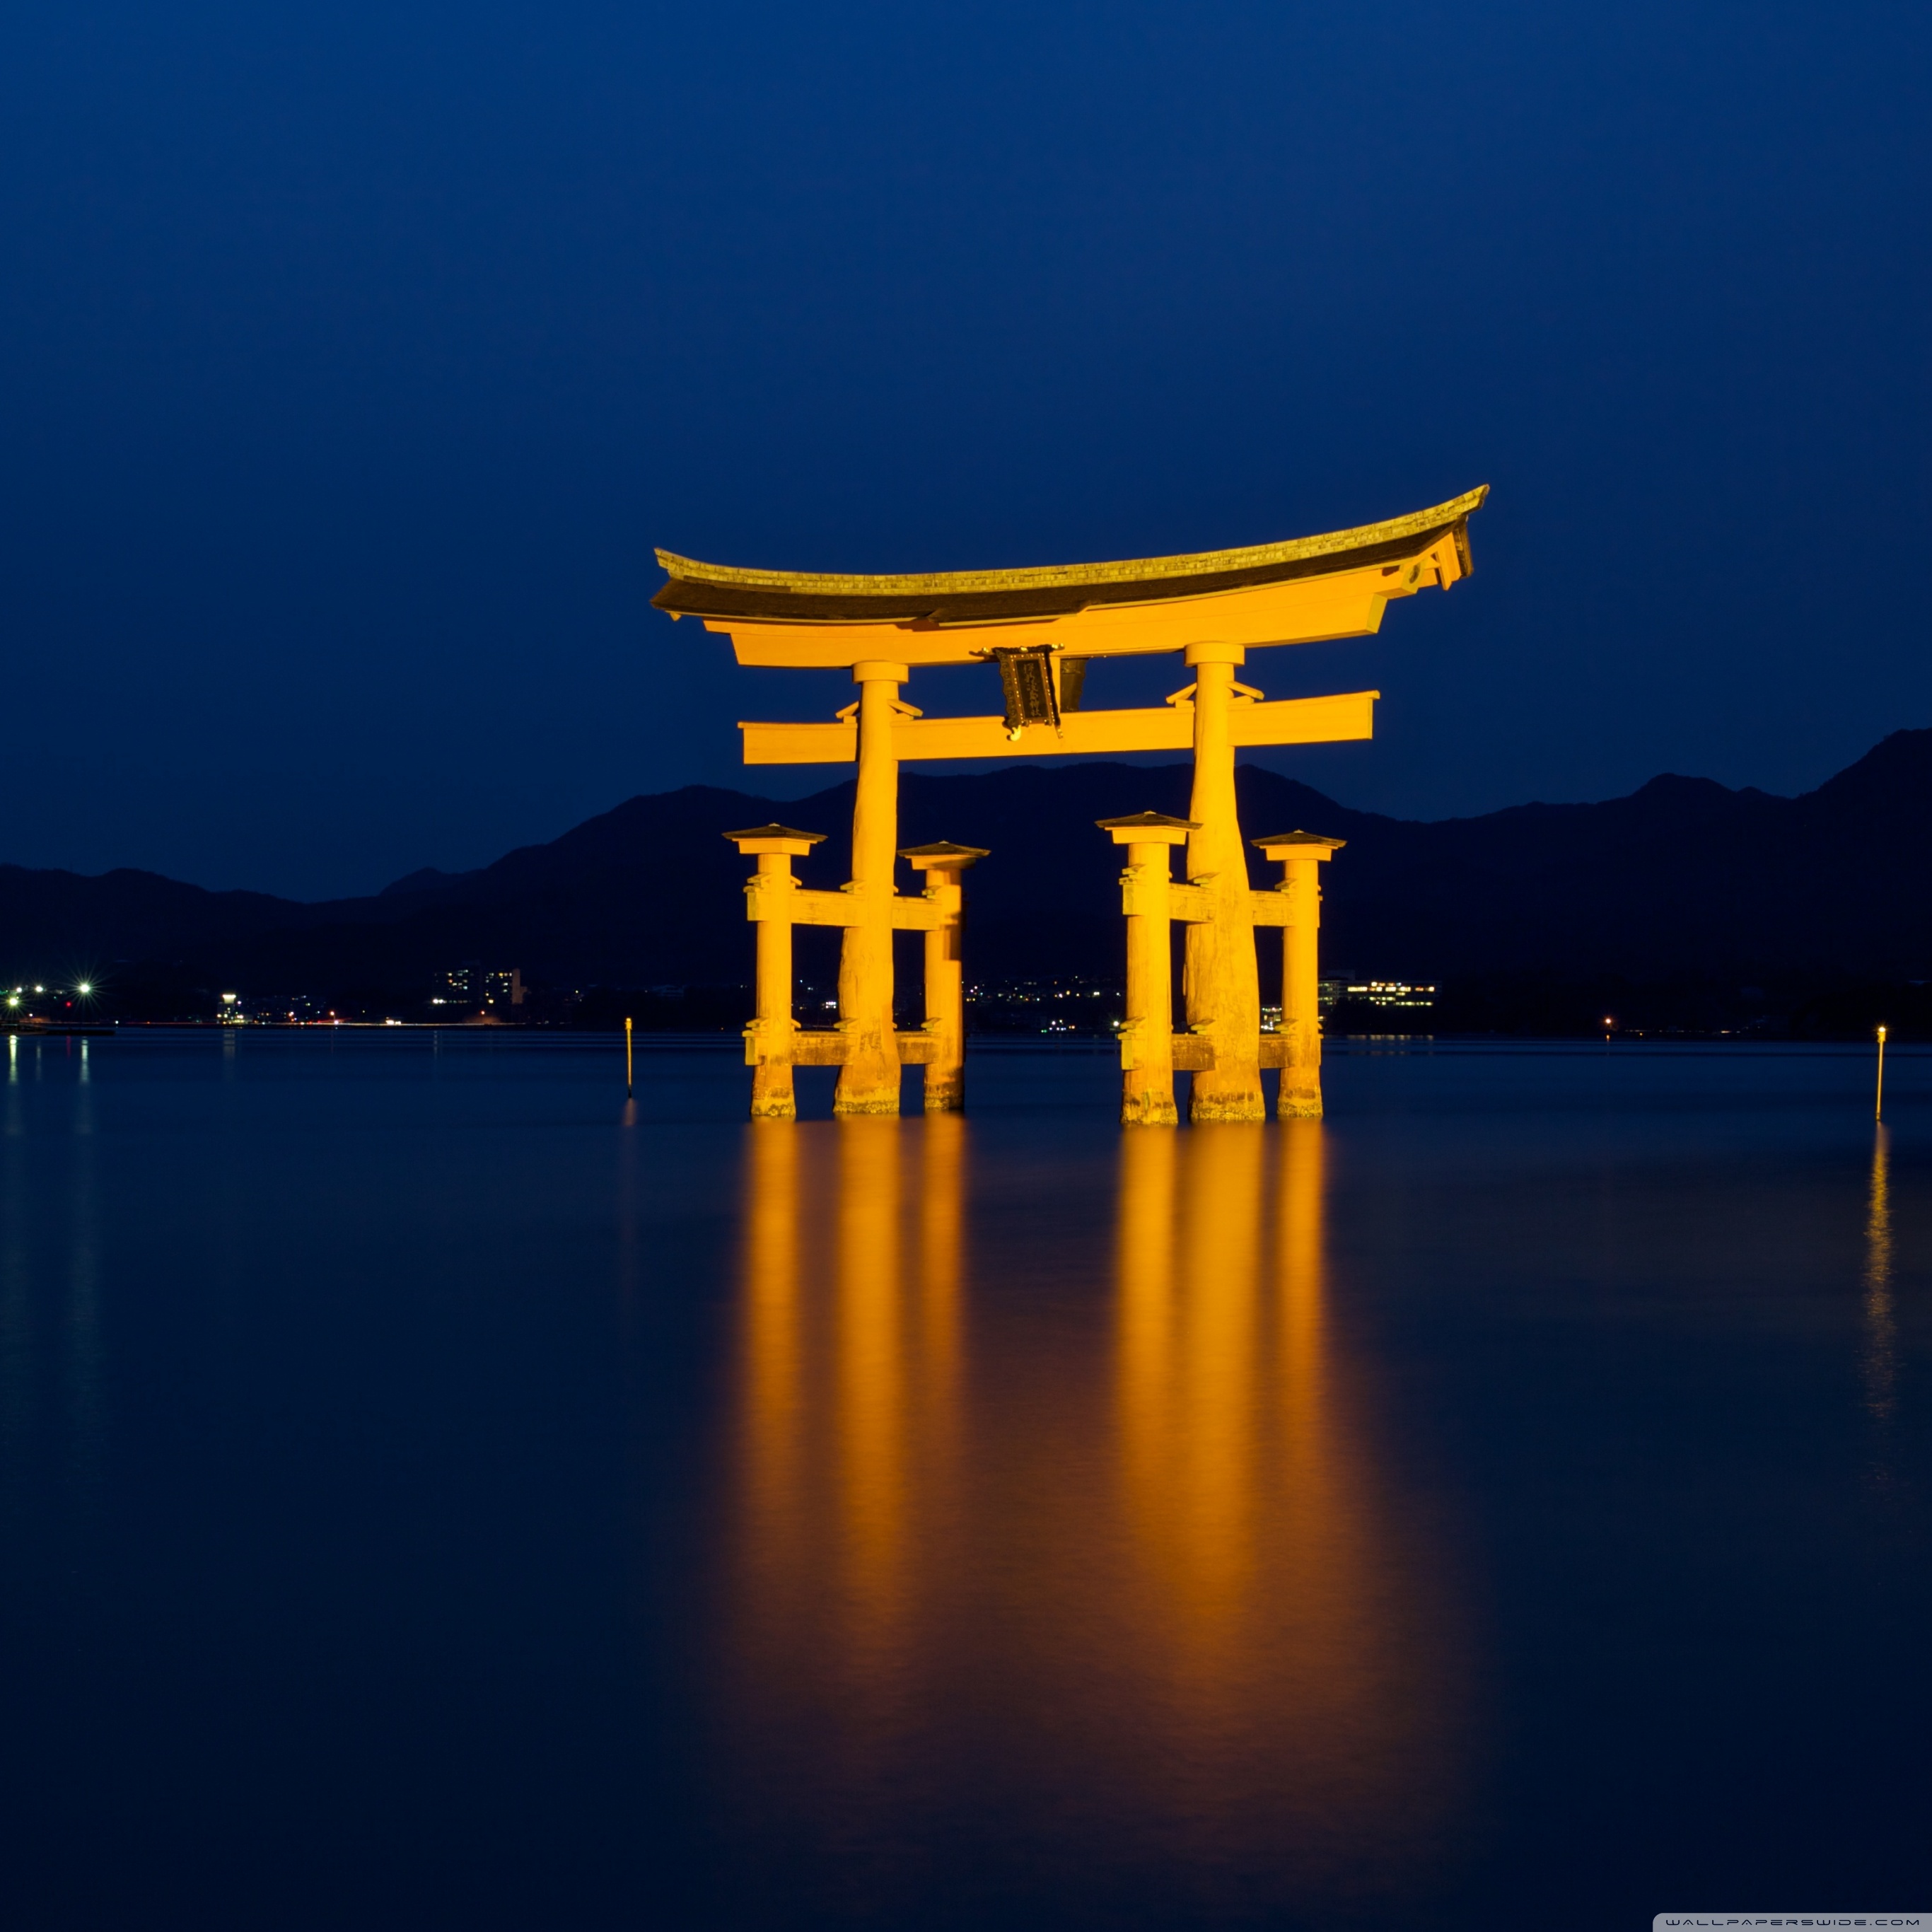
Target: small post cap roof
(774, 837)
(1312, 843)
(942, 855)
(1148, 828)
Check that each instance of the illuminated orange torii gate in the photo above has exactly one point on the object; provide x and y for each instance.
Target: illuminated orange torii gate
(1041, 626)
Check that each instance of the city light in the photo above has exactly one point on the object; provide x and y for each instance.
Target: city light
(1391, 993)
(85, 987)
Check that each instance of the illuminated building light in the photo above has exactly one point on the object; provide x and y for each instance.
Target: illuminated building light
(1399, 993)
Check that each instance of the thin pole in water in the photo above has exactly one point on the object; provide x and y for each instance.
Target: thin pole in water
(1878, 1105)
(627, 1059)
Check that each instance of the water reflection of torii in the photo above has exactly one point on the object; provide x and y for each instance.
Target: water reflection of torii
(1881, 1350)
(1162, 1515)
(1042, 627)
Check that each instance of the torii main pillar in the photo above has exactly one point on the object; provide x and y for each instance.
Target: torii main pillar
(1222, 985)
(869, 1080)
(1042, 627)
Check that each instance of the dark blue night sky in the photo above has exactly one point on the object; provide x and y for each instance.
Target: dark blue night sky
(352, 363)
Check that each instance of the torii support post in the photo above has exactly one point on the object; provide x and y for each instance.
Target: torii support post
(1302, 855)
(945, 992)
(770, 898)
(1223, 988)
(1146, 1031)
(868, 1075)
(775, 1043)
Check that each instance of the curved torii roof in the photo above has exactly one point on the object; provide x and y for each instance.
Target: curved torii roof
(725, 590)
(1332, 585)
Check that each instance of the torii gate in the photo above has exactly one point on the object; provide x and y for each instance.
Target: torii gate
(1040, 626)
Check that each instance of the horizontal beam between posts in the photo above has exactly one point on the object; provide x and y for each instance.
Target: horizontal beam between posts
(818, 1047)
(1291, 721)
(1282, 906)
(1194, 1052)
(802, 906)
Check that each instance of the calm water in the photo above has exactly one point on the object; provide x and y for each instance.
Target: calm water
(429, 1498)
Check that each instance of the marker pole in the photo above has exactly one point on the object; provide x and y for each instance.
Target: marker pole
(1878, 1105)
(627, 1058)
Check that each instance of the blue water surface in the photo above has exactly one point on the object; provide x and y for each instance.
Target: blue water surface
(436, 1493)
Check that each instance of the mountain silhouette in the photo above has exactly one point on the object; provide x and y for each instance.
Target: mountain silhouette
(1682, 876)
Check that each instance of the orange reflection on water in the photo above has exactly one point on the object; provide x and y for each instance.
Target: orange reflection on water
(895, 1340)
(1881, 1351)
(1119, 1562)
(1297, 1622)
(848, 1353)
(1191, 1380)
(771, 1384)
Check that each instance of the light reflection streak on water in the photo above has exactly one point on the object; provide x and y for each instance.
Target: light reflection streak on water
(16, 1324)
(770, 1374)
(1121, 1564)
(869, 1383)
(1190, 1374)
(1288, 1620)
(52, 1363)
(1881, 1352)
(85, 1413)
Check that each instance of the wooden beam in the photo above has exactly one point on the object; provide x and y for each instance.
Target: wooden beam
(1190, 904)
(1292, 721)
(919, 915)
(1278, 906)
(814, 908)
(1349, 604)
(825, 1047)
(804, 907)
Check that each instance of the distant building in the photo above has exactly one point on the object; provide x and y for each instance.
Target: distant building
(284, 1009)
(267, 1009)
(472, 992)
(1399, 994)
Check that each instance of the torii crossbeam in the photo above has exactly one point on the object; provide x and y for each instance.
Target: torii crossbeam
(1040, 626)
